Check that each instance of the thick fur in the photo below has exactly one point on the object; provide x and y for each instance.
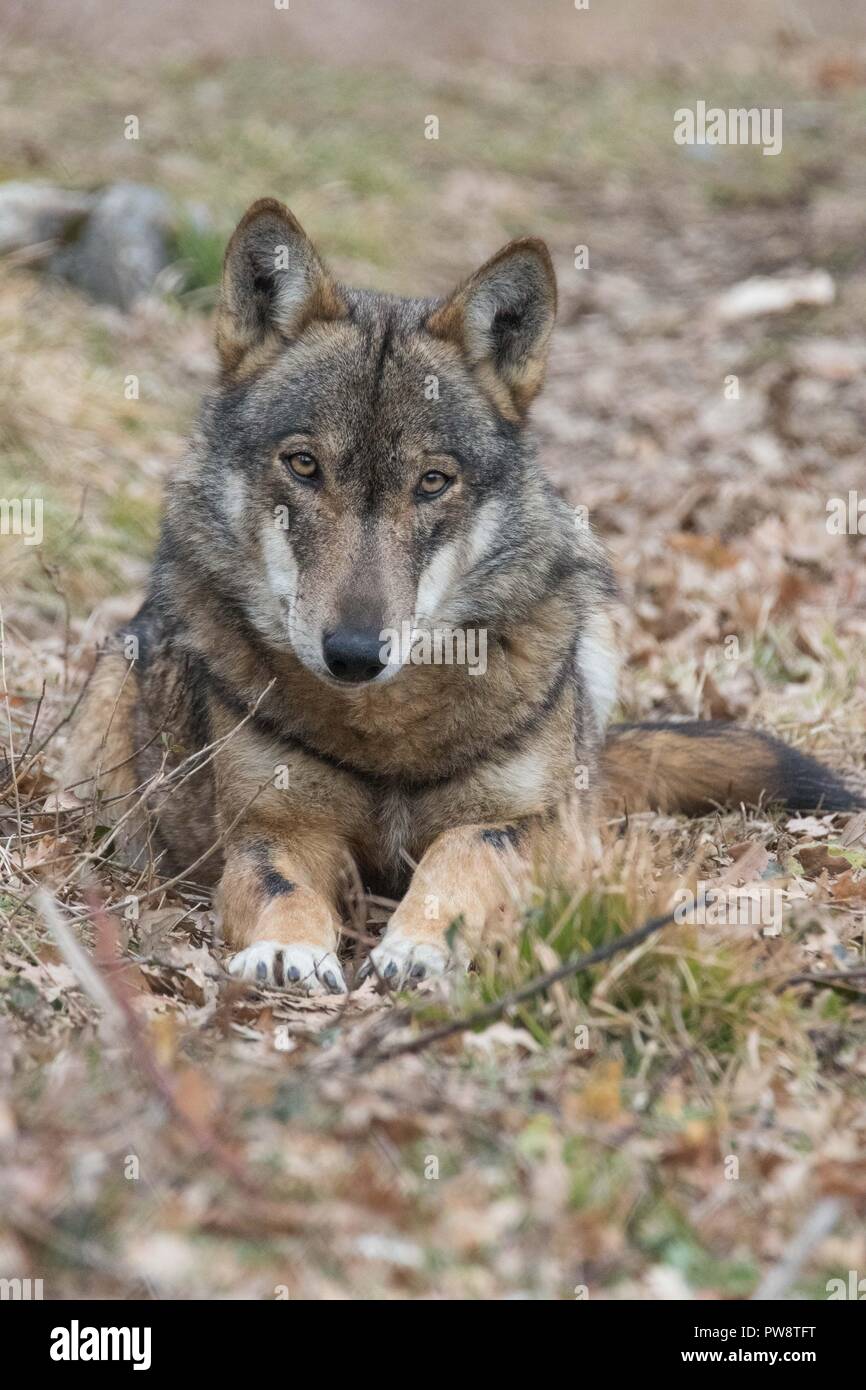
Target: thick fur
(435, 783)
(701, 765)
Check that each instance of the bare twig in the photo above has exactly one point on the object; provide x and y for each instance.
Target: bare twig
(818, 1224)
(49, 736)
(853, 979)
(78, 960)
(12, 763)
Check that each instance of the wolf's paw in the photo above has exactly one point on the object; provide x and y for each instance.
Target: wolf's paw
(399, 961)
(306, 968)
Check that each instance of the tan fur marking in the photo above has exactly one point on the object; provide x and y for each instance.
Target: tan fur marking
(302, 917)
(463, 876)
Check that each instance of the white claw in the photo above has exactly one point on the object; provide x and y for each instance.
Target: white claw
(306, 968)
(398, 960)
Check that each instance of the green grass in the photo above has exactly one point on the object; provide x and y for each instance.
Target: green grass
(688, 983)
(199, 251)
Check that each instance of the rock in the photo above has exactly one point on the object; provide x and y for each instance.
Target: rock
(832, 359)
(32, 214)
(125, 245)
(763, 295)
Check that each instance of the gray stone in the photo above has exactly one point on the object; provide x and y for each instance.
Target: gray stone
(124, 247)
(33, 214)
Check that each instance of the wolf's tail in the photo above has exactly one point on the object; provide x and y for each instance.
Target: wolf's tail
(696, 766)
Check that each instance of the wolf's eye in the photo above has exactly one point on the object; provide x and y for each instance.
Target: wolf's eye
(302, 465)
(433, 482)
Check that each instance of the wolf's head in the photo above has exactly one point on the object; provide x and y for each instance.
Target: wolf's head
(364, 463)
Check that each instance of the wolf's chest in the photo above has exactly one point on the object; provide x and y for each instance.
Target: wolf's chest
(392, 846)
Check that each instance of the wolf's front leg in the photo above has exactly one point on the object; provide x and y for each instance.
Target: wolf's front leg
(464, 877)
(278, 909)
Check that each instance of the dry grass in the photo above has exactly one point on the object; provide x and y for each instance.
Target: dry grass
(188, 1138)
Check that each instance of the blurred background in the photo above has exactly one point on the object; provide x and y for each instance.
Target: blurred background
(705, 431)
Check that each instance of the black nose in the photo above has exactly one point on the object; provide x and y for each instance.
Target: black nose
(352, 654)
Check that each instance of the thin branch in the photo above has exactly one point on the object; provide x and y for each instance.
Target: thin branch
(816, 1227)
(853, 979)
(80, 963)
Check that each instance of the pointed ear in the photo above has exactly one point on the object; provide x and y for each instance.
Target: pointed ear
(501, 319)
(273, 285)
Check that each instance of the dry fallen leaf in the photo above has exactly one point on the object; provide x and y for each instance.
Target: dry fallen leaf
(750, 859)
(817, 859)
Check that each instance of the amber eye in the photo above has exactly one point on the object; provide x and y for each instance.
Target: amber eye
(433, 482)
(302, 465)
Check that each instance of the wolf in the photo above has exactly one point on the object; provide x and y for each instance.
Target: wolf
(365, 465)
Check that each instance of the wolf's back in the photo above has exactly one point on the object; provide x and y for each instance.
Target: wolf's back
(696, 766)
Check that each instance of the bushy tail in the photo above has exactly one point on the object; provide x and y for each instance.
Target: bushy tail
(696, 766)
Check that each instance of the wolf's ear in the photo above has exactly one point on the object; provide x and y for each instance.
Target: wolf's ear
(273, 285)
(501, 319)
